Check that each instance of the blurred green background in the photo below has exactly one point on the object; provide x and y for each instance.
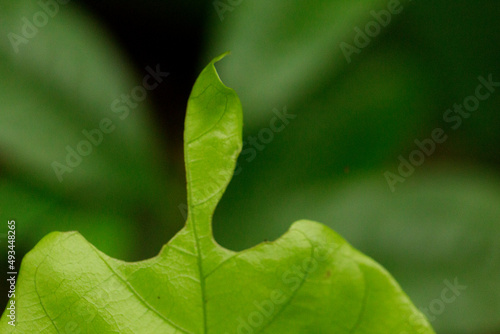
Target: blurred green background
(60, 73)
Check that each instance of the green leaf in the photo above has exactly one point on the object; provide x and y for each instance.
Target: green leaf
(441, 223)
(308, 281)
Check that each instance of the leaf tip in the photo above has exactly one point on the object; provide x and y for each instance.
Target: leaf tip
(220, 57)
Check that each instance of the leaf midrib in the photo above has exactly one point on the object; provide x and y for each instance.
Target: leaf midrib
(192, 206)
(197, 244)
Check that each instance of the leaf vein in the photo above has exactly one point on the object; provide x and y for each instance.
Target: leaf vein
(141, 298)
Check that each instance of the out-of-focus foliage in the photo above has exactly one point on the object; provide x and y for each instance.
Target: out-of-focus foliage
(59, 84)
